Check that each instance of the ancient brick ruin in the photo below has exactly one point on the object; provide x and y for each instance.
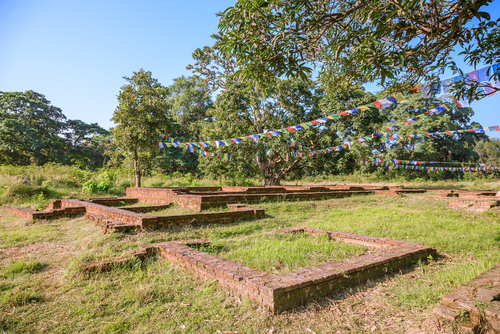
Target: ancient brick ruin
(476, 304)
(286, 291)
(108, 213)
(290, 290)
(113, 214)
(484, 199)
(202, 198)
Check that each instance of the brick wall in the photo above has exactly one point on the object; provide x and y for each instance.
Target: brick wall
(27, 213)
(158, 196)
(286, 291)
(478, 299)
(120, 215)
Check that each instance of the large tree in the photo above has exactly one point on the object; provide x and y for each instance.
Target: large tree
(459, 147)
(399, 42)
(241, 109)
(29, 128)
(34, 131)
(143, 113)
(489, 151)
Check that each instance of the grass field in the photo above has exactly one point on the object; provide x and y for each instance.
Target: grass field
(277, 254)
(42, 288)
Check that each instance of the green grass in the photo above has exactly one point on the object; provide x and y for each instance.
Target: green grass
(176, 210)
(278, 254)
(23, 266)
(158, 297)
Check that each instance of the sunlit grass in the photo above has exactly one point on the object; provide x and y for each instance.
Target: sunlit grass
(277, 254)
(163, 298)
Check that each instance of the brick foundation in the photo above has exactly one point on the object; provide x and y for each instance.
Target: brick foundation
(477, 302)
(133, 218)
(199, 199)
(28, 213)
(286, 291)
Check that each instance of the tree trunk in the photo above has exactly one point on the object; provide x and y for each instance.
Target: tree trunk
(271, 180)
(137, 170)
(272, 175)
(274, 180)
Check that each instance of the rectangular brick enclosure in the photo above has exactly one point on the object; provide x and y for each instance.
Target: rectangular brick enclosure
(286, 291)
(202, 198)
(106, 212)
(112, 214)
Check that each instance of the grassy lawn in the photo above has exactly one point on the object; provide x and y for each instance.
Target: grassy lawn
(176, 210)
(277, 254)
(42, 289)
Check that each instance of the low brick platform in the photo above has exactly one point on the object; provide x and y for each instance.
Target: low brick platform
(469, 200)
(286, 291)
(133, 218)
(199, 199)
(28, 213)
(486, 203)
(202, 198)
(475, 306)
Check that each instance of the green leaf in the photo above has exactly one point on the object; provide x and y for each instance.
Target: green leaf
(483, 15)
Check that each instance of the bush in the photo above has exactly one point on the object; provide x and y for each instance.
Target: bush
(93, 187)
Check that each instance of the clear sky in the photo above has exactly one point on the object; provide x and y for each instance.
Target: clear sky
(76, 52)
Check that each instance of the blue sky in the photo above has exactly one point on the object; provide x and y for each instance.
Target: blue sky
(76, 52)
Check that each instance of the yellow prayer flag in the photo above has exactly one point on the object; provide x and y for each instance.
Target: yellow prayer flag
(363, 108)
(400, 98)
(304, 125)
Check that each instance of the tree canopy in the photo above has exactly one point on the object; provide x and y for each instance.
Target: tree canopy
(241, 109)
(142, 115)
(399, 42)
(32, 131)
(190, 100)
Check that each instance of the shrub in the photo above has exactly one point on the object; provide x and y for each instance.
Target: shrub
(93, 187)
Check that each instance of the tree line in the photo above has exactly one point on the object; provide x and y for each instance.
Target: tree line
(32, 131)
(257, 76)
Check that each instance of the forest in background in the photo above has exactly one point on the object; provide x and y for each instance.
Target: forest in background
(256, 77)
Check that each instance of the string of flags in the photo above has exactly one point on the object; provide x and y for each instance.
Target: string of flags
(208, 154)
(484, 75)
(197, 151)
(427, 168)
(418, 162)
(393, 137)
(445, 86)
(384, 132)
(387, 132)
(383, 103)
